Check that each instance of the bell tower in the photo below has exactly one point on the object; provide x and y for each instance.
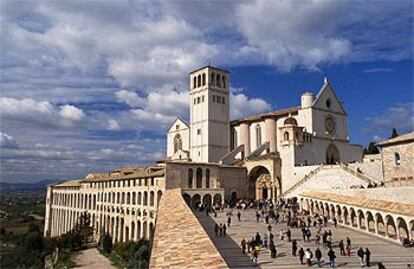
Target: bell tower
(209, 114)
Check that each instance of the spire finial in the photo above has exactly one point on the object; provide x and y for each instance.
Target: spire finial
(325, 80)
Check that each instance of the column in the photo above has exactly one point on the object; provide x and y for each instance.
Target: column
(245, 138)
(270, 133)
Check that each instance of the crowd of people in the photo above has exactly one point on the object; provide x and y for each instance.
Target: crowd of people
(313, 229)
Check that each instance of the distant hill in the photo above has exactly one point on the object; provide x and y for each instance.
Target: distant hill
(36, 186)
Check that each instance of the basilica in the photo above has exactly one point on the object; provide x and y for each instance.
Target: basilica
(212, 160)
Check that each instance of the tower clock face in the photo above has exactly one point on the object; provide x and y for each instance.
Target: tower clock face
(330, 124)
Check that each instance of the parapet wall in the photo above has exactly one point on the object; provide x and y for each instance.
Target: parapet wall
(179, 240)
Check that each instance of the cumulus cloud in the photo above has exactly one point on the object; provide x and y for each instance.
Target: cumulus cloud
(242, 106)
(40, 113)
(7, 141)
(113, 125)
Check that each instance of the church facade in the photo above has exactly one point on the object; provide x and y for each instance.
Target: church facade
(211, 159)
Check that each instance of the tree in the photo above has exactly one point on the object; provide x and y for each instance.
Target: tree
(105, 241)
(372, 149)
(394, 133)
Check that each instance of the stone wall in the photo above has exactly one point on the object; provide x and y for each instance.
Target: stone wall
(180, 241)
(403, 173)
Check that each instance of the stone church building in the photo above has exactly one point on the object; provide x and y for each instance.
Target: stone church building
(212, 159)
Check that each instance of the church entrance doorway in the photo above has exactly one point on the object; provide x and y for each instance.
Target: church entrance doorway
(260, 183)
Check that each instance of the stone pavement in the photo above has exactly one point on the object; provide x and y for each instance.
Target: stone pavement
(393, 256)
(92, 259)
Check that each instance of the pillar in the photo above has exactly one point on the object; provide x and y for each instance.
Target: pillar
(245, 138)
(270, 133)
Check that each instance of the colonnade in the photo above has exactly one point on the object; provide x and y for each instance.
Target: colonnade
(392, 226)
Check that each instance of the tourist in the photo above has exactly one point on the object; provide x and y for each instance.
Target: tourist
(348, 242)
(360, 255)
(367, 257)
(243, 245)
(289, 235)
(332, 256)
(238, 215)
(221, 229)
(269, 227)
(282, 234)
(294, 247)
(341, 247)
(308, 257)
(335, 222)
(308, 234)
(228, 221)
(318, 256)
(265, 240)
(273, 250)
(257, 216)
(318, 239)
(216, 229)
(249, 245)
(267, 219)
(254, 256)
(348, 250)
(224, 229)
(303, 233)
(329, 240)
(301, 255)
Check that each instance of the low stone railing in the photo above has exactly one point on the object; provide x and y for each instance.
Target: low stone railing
(179, 240)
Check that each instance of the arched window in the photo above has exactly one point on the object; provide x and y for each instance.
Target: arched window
(258, 136)
(194, 82)
(190, 178)
(286, 136)
(199, 81)
(223, 81)
(397, 158)
(218, 82)
(213, 79)
(199, 178)
(207, 178)
(178, 143)
(204, 79)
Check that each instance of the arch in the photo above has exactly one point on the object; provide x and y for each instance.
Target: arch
(196, 200)
(190, 178)
(132, 230)
(258, 136)
(397, 158)
(139, 229)
(145, 230)
(145, 198)
(139, 201)
(199, 178)
(187, 199)
(370, 221)
(223, 81)
(199, 81)
(339, 213)
(204, 79)
(126, 233)
(353, 216)
(213, 79)
(286, 136)
(402, 229)
(152, 198)
(217, 199)
(362, 221)
(346, 215)
(259, 183)
(194, 82)
(207, 200)
(332, 210)
(327, 211)
(123, 198)
(151, 231)
(380, 224)
(390, 227)
(207, 178)
(134, 198)
(128, 198)
(332, 154)
(178, 143)
(159, 195)
(218, 80)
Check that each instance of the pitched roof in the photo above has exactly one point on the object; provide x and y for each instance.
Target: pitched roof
(326, 86)
(398, 139)
(68, 183)
(177, 119)
(276, 113)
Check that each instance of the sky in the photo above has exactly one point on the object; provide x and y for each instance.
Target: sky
(94, 85)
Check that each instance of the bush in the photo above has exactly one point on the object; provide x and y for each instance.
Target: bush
(105, 241)
(134, 254)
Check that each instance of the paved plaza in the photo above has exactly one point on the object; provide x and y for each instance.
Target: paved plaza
(390, 254)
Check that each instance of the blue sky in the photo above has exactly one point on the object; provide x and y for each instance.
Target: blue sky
(93, 85)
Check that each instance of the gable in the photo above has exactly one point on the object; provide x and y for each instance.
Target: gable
(182, 125)
(327, 100)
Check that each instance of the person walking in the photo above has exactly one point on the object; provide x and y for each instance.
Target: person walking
(335, 222)
(229, 221)
(294, 247)
(273, 250)
(254, 256)
(224, 229)
(257, 216)
(221, 229)
(318, 256)
(348, 242)
(301, 255)
(360, 255)
(308, 257)
(332, 257)
(367, 257)
(243, 245)
(216, 229)
(341, 247)
(289, 235)
(238, 215)
(265, 240)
